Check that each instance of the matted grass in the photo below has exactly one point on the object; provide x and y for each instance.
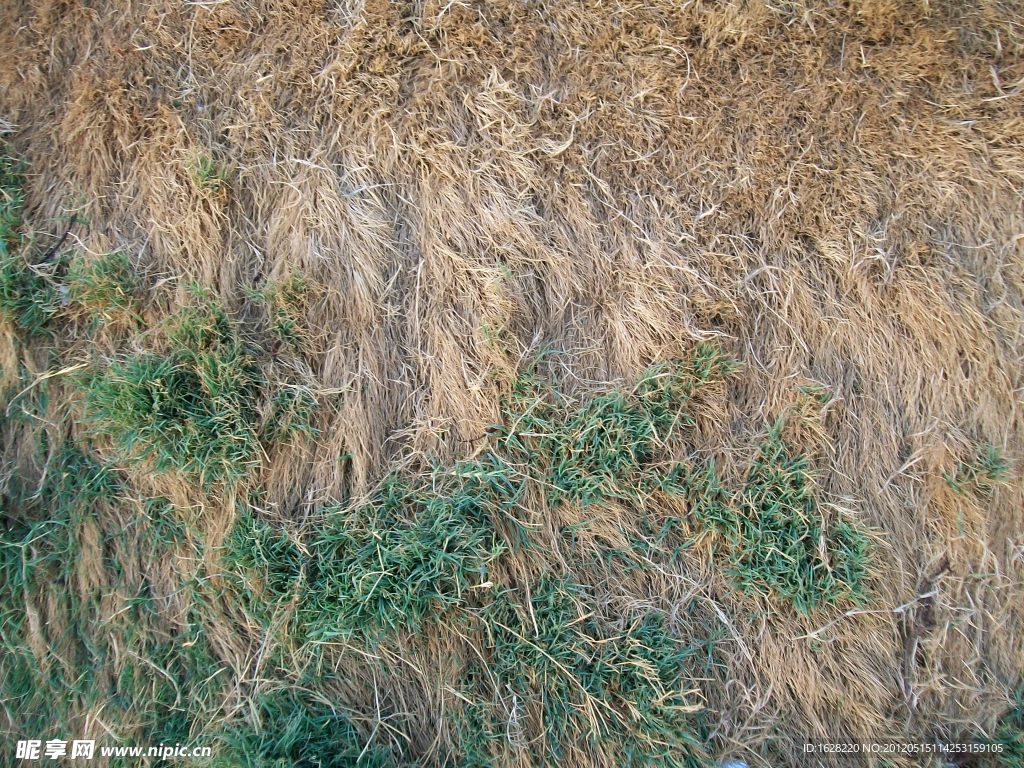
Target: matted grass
(424, 541)
(77, 641)
(482, 249)
(426, 548)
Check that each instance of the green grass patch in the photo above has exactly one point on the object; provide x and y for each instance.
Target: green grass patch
(106, 288)
(782, 542)
(986, 469)
(420, 547)
(560, 679)
(1009, 736)
(598, 450)
(192, 407)
(293, 410)
(28, 298)
(424, 543)
(265, 564)
(12, 198)
(778, 539)
(296, 727)
(286, 301)
(209, 174)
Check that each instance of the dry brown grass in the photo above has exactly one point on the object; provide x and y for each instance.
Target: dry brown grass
(832, 191)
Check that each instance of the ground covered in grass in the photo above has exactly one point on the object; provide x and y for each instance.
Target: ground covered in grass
(512, 384)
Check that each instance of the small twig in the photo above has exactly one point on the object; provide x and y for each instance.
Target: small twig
(57, 246)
